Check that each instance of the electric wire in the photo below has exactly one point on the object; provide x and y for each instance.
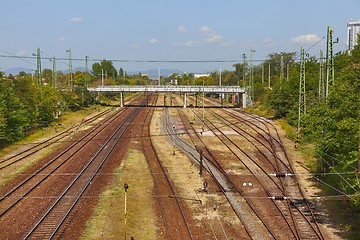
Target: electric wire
(337, 173)
(19, 57)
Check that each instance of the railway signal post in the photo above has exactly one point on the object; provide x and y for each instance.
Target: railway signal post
(126, 188)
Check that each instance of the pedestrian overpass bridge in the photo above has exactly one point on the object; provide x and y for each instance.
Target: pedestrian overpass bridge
(232, 90)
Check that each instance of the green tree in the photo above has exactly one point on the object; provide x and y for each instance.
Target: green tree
(12, 113)
(106, 67)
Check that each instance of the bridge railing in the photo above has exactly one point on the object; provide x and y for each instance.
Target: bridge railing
(169, 88)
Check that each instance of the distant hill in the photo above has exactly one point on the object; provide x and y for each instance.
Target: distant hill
(16, 70)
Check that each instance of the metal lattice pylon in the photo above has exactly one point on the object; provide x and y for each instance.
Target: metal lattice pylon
(321, 77)
(251, 80)
(54, 73)
(329, 62)
(38, 67)
(282, 68)
(302, 100)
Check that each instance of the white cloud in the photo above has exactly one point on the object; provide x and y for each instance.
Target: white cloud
(308, 38)
(181, 29)
(153, 41)
(62, 39)
(135, 45)
(214, 38)
(75, 19)
(228, 44)
(187, 44)
(268, 42)
(22, 53)
(205, 29)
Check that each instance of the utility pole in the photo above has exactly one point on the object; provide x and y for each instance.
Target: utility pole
(54, 73)
(38, 67)
(102, 77)
(281, 70)
(220, 77)
(269, 78)
(86, 71)
(302, 101)
(287, 72)
(329, 62)
(251, 81)
(244, 69)
(70, 70)
(203, 108)
(220, 83)
(321, 77)
(262, 74)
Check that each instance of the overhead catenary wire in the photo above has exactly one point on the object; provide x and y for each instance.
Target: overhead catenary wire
(135, 60)
(18, 57)
(324, 197)
(330, 166)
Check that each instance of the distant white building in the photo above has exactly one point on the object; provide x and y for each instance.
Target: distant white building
(199, 75)
(353, 29)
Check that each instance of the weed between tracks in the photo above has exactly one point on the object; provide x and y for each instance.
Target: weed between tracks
(107, 221)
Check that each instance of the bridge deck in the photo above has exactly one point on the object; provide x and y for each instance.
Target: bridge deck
(183, 89)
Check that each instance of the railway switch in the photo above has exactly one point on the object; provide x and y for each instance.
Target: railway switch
(281, 174)
(279, 198)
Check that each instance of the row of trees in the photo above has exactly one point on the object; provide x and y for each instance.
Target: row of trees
(28, 103)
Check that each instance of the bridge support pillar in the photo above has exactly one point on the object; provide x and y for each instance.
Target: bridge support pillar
(184, 100)
(244, 99)
(121, 99)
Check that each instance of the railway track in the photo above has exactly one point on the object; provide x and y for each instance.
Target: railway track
(171, 206)
(300, 225)
(288, 213)
(60, 201)
(28, 152)
(54, 217)
(302, 210)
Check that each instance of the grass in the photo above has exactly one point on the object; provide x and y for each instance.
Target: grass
(61, 124)
(107, 221)
(290, 131)
(261, 111)
(307, 151)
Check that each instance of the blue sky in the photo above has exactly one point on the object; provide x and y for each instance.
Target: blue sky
(209, 30)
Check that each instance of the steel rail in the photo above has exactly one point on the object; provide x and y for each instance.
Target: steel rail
(118, 130)
(42, 145)
(99, 127)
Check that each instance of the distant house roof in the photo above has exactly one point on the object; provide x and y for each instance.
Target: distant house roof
(199, 75)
